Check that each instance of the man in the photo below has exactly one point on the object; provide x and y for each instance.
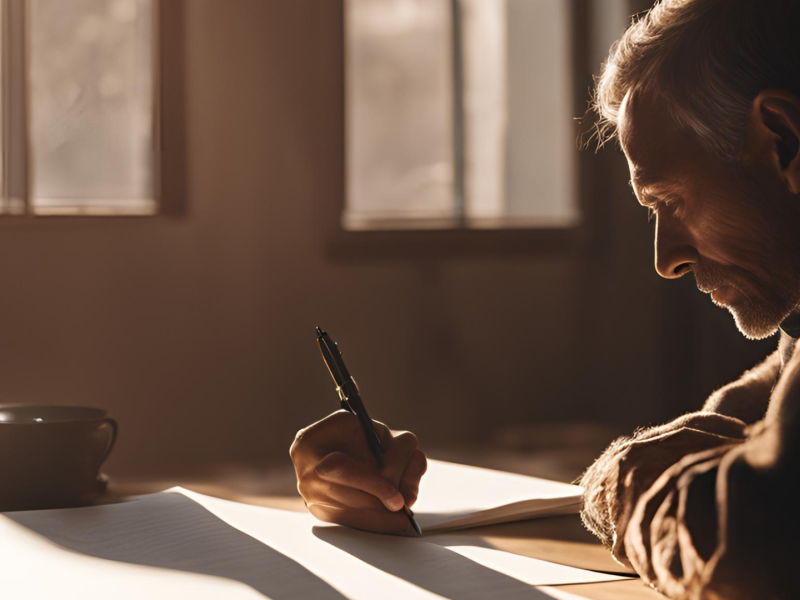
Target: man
(704, 98)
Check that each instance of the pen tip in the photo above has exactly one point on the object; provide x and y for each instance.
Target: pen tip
(320, 333)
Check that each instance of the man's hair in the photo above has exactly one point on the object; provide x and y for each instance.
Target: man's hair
(706, 60)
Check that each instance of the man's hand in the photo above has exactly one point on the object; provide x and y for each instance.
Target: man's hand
(338, 478)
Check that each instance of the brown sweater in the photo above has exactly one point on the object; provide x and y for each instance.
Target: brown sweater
(703, 507)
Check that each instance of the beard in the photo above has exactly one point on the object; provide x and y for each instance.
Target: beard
(758, 321)
(759, 310)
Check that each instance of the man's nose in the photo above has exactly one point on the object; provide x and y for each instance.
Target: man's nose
(674, 250)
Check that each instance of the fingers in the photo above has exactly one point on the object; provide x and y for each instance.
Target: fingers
(339, 468)
(315, 489)
(409, 484)
(404, 464)
(399, 450)
(384, 433)
(368, 520)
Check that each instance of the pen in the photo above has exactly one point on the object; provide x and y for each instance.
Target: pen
(351, 401)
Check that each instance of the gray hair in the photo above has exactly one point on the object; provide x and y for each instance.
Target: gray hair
(706, 60)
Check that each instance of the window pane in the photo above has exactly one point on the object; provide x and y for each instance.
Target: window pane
(399, 90)
(517, 133)
(542, 148)
(91, 106)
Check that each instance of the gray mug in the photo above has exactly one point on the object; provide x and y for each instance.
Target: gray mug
(50, 456)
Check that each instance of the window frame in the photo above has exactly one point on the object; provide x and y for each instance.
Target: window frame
(588, 235)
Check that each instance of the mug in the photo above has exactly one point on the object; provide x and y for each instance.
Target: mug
(50, 456)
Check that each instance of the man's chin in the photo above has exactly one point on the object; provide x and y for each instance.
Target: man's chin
(757, 315)
(755, 324)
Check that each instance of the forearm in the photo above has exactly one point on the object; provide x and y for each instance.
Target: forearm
(717, 526)
(721, 524)
(747, 398)
(659, 458)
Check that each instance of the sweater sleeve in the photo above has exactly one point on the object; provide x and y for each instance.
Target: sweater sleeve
(631, 465)
(721, 524)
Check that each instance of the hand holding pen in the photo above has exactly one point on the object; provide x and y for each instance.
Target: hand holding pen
(343, 481)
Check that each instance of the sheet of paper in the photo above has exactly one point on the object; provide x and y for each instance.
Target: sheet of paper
(426, 564)
(454, 496)
(183, 544)
(33, 568)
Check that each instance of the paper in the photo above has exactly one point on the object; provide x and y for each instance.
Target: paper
(166, 530)
(183, 544)
(454, 496)
(33, 568)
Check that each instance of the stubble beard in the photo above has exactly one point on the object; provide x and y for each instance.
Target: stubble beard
(757, 317)
(758, 321)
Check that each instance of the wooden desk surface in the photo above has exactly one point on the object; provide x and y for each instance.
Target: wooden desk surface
(557, 539)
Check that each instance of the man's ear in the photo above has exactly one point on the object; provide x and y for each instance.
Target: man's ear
(776, 120)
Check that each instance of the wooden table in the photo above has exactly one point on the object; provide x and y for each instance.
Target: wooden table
(556, 539)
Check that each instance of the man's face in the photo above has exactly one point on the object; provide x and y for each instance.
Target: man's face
(733, 224)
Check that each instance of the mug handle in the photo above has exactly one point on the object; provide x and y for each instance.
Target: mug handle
(114, 431)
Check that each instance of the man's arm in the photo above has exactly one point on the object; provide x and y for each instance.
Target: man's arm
(631, 465)
(722, 524)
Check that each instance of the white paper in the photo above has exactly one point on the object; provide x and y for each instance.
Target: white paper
(180, 544)
(454, 496)
(33, 568)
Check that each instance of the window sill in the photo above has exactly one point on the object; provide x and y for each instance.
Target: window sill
(84, 208)
(366, 224)
(365, 246)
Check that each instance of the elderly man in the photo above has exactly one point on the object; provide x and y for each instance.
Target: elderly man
(704, 99)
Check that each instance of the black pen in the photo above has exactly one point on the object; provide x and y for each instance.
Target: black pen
(351, 401)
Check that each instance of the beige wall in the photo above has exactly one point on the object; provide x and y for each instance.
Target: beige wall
(196, 329)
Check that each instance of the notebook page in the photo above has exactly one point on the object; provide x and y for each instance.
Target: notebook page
(184, 544)
(458, 567)
(456, 496)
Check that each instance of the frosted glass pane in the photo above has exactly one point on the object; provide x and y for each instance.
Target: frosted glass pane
(542, 150)
(91, 106)
(517, 128)
(399, 120)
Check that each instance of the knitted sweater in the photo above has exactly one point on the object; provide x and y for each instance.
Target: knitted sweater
(703, 508)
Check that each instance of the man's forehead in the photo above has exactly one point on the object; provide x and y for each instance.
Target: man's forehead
(640, 125)
(649, 138)
(629, 130)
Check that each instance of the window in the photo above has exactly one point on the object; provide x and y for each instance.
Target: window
(79, 115)
(459, 114)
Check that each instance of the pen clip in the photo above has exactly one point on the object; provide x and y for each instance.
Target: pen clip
(344, 401)
(342, 395)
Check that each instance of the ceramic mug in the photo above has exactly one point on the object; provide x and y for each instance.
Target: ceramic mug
(50, 456)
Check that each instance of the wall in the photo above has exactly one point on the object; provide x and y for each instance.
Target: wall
(195, 329)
